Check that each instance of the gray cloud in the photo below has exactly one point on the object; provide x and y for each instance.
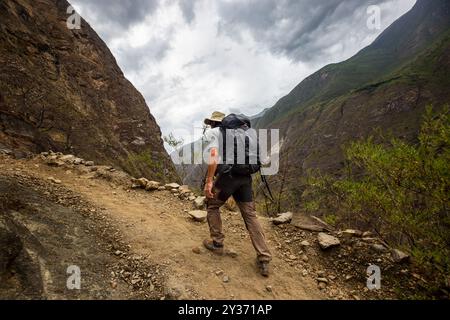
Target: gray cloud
(191, 57)
(134, 59)
(123, 12)
(113, 16)
(300, 29)
(188, 9)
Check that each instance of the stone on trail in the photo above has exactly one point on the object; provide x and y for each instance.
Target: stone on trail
(324, 280)
(53, 162)
(142, 182)
(283, 218)
(55, 181)
(192, 198)
(184, 190)
(77, 161)
(198, 215)
(152, 185)
(68, 158)
(171, 186)
(305, 243)
(327, 241)
(196, 250)
(199, 203)
(89, 163)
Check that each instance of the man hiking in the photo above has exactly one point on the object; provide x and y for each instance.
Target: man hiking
(232, 178)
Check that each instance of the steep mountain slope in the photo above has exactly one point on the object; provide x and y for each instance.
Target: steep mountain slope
(385, 86)
(396, 46)
(62, 90)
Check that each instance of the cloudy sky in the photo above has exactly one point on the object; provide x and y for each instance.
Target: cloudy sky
(191, 57)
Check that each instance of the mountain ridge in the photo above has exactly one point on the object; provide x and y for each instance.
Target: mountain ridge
(317, 119)
(366, 66)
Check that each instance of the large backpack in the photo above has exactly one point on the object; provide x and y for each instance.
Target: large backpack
(236, 129)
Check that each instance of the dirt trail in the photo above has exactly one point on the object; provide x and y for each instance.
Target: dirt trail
(157, 226)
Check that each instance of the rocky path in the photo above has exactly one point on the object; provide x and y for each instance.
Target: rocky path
(141, 244)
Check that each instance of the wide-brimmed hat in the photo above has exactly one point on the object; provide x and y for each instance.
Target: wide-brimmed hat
(215, 117)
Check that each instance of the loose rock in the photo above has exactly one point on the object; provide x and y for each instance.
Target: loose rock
(199, 203)
(283, 218)
(305, 243)
(198, 215)
(327, 241)
(171, 186)
(152, 185)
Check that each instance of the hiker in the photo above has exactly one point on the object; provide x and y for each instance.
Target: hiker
(225, 180)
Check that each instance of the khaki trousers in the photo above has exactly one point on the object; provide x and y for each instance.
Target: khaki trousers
(251, 222)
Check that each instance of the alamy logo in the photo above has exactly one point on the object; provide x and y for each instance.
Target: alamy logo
(242, 148)
(374, 277)
(374, 20)
(74, 280)
(74, 20)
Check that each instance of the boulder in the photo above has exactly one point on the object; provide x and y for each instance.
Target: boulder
(327, 241)
(77, 161)
(309, 223)
(171, 186)
(54, 162)
(399, 256)
(283, 218)
(89, 163)
(305, 243)
(198, 215)
(142, 182)
(68, 158)
(152, 185)
(199, 203)
(184, 190)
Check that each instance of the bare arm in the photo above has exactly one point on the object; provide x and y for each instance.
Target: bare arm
(212, 167)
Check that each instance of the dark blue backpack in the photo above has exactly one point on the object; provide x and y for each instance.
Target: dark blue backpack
(236, 128)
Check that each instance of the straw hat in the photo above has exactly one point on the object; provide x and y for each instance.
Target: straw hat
(215, 117)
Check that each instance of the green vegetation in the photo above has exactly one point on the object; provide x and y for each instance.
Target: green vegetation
(400, 191)
(144, 162)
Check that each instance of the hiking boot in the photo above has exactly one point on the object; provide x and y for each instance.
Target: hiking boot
(263, 268)
(213, 247)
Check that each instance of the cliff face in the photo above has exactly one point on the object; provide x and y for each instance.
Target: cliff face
(62, 90)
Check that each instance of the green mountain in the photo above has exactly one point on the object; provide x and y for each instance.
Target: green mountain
(385, 87)
(397, 46)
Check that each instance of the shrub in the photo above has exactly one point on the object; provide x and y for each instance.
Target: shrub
(399, 190)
